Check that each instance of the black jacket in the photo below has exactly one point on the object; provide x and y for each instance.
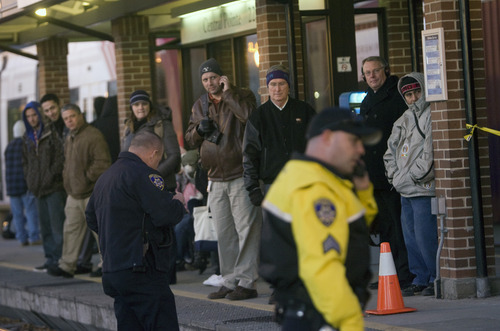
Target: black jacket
(130, 199)
(381, 110)
(271, 135)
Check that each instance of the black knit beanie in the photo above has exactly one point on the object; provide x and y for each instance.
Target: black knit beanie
(210, 65)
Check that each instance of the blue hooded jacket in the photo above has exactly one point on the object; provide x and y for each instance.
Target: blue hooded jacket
(29, 130)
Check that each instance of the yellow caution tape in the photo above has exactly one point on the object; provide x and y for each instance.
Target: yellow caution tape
(473, 127)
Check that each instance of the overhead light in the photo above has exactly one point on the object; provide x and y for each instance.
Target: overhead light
(41, 12)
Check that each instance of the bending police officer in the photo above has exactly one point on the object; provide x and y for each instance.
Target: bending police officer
(134, 215)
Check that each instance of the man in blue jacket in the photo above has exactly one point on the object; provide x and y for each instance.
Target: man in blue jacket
(134, 215)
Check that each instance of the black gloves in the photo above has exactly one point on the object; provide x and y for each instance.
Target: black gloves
(256, 196)
(206, 126)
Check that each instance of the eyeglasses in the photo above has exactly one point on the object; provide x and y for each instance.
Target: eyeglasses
(374, 71)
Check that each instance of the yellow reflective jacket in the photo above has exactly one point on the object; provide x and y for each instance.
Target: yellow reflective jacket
(315, 241)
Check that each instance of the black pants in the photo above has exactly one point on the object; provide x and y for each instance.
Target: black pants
(391, 231)
(143, 301)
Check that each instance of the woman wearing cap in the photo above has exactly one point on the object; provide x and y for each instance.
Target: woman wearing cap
(145, 117)
(409, 163)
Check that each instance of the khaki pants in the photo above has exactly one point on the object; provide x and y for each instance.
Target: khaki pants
(75, 227)
(238, 225)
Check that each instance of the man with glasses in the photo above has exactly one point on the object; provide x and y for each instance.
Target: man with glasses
(382, 106)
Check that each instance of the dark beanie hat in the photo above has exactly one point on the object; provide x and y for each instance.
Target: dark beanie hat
(408, 84)
(210, 65)
(139, 95)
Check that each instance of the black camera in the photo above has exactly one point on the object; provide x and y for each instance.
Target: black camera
(215, 136)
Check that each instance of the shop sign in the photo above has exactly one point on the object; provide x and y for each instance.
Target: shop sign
(238, 16)
(26, 3)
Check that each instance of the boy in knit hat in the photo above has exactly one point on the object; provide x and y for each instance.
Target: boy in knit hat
(409, 163)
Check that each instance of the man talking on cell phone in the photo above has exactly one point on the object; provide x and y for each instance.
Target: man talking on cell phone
(216, 127)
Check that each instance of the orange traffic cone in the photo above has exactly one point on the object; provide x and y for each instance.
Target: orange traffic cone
(390, 300)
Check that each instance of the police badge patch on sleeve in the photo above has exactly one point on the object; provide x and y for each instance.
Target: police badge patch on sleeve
(157, 181)
(325, 211)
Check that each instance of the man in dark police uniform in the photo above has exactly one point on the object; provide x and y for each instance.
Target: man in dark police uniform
(315, 243)
(134, 215)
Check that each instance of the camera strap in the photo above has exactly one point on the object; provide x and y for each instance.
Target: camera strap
(204, 104)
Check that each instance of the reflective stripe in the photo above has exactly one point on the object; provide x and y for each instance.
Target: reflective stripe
(273, 209)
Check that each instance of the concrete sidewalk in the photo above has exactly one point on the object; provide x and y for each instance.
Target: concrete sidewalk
(80, 304)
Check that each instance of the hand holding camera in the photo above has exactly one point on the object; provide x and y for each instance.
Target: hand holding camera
(206, 125)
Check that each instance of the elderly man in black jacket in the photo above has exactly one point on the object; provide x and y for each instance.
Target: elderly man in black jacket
(382, 106)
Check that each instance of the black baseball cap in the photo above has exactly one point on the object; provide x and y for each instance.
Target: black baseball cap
(343, 119)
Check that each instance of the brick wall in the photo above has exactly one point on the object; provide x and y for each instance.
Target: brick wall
(53, 68)
(272, 39)
(132, 60)
(458, 263)
(398, 36)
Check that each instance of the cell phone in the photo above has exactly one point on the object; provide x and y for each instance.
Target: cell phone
(222, 86)
(359, 169)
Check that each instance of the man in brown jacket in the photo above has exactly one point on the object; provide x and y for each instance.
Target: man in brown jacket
(86, 158)
(217, 125)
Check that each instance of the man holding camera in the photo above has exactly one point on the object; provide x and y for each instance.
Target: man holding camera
(217, 126)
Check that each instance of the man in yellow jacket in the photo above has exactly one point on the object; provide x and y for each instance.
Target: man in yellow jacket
(315, 241)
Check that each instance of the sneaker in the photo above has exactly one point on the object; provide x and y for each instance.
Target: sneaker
(36, 243)
(242, 293)
(214, 280)
(96, 273)
(80, 270)
(412, 290)
(57, 272)
(428, 291)
(41, 268)
(220, 294)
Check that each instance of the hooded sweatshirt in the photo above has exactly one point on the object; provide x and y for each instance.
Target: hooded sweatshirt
(409, 160)
(43, 156)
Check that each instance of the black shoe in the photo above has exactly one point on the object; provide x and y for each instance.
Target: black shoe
(96, 273)
(272, 299)
(412, 290)
(80, 270)
(428, 291)
(41, 268)
(220, 294)
(57, 272)
(373, 286)
(242, 293)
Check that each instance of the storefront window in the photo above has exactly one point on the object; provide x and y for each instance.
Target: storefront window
(247, 64)
(317, 78)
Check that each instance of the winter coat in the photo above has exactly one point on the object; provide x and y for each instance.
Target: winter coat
(224, 161)
(161, 124)
(43, 158)
(271, 136)
(87, 157)
(381, 110)
(409, 158)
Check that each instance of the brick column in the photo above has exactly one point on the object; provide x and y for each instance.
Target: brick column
(131, 35)
(398, 36)
(272, 39)
(53, 68)
(458, 262)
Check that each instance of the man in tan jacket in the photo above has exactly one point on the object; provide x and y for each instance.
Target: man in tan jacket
(86, 158)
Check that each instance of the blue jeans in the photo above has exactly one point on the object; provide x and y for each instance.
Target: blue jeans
(420, 233)
(25, 217)
(51, 213)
